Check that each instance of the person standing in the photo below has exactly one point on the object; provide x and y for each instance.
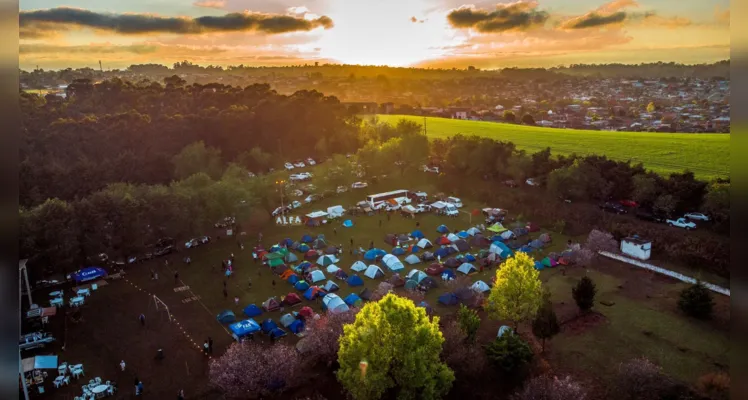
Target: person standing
(176, 277)
(122, 365)
(141, 317)
(139, 388)
(351, 241)
(155, 275)
(254, 256)
(250, 283)
(210, 345)
(225, 293)
(205, 347)
(236, 300)
(180, 394)
(335, 231)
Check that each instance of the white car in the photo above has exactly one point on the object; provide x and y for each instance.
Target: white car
(359, 185)
(299, 164)
(423, 208)
(294, 204)
(341, 189)
(697, 216)
(280, 210)
(296, 193)
(311, 198)
(251, 174)
(197, 242)
(310, 161)
(426, 168)
(288, 166)
(303, 176)
(455, 201)
(532, 182)
(392, 207)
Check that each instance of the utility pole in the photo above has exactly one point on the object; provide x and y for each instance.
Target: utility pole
(100, 68)
(425, 132)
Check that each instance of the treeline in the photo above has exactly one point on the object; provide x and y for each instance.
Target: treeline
(119, 131)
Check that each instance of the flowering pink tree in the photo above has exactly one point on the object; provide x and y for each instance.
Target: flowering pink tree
(601, 241)
(582, 257)
(551, 388)
(465, 358)
(321, 341)
(249, 369)
(381, 291)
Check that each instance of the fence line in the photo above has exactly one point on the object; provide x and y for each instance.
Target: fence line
(673, 274)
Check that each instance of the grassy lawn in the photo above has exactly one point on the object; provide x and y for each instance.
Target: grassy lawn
(707, 155)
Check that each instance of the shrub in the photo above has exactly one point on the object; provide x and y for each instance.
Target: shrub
(601, 241)
(465, 358)
(551, 388)
(696, 301)
(715, 386)
(584, 293)
(321, 341)
(509, 353)
(545, 325)
(248, 369)
(469, 322)
(640, 379)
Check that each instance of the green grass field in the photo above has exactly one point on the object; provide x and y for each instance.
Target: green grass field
(707, 155)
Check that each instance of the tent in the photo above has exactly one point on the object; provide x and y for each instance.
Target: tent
(303, 248)
(348, 223)
(411, 284)
(537, 244)
(424, 243)
(326, 260)
(532, 227)
(331, 250)
(286, 320)
(87, 274)
(354, 280)
(226, 317)
(281, 269)
(275, 262)
(442, 229)
(497, 228)
(316, 276)
(340, 274)
(296, 327)
(427, 283)
(416, 275)
(268, 325)
(301, 286)
(435, 269)
(373, 272)
(549, 262)
(413, 249)
(539, 265)
(331, 269)
(417, 234)
(452, 237)
(506, 235)
(372, 254)
(287, 274)
(390, 239)
(398, 251)
(463, 235)
(275, 248)
(365, 294)
(291, 299)
(403, 237)
(270, 304)
(306, 312)
(312, 293)
(244, 328)
(442, 252)
(461, 245)
(501, 249)
(334, 304)
(286, 242)
(330, 286)
(311, 255)
(303, 267)
(467, 268)
(448, 275)
(396, 280)
(473, 231)
(353, 300)
(428, 256)
(388, 259)
(546, 238)
(319, 243)
(358, 266)
(520, 231)
(480, 286)
(448, 299)
(294, 246)
(412, 259)
(252, 310)
(452, 262)
(291, 258)
(470, 258)
(442, 240)
(479, 241)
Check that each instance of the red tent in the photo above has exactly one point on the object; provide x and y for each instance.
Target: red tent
(443, 240)
(291, 299)
(311, 255)
(435, 269)
(261, 254)
(306, 312)
(532, 227)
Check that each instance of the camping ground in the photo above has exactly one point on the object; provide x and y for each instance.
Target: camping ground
(643, 321)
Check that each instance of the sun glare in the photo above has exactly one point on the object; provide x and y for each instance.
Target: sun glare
(384, 32)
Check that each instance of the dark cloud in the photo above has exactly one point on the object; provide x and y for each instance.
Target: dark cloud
(598, 19)
(132, 24)
(87, 49)
(594, 19)
(519, 15)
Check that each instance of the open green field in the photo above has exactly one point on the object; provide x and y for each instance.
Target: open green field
(707, 155)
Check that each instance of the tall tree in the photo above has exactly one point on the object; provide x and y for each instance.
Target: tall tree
(469, 322)
(545, 325)
(197, 158)
(584, 293)
(517, 293)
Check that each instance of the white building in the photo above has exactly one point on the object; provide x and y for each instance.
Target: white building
(636, 247)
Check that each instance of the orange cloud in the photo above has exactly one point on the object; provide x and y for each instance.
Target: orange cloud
(614, 14)
(218, 4)
(722, 16)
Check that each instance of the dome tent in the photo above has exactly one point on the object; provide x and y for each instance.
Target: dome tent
(301, 286)
(398, 251)
(331, 269)
(358, 266)
(442, 229)
(334, 304)
(424, 243)
(353, 300)
(480, 286)
(466, 268)
(355, 280)
(226, 317)
(330, 286)
(416, 275)
(316, 276)
(412, 259)
(417, 234)
(373, 272)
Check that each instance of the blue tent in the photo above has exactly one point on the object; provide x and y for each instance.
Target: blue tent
(417, 234)
(470, 258)
(501, 249)
(226, 317)
(372, 254)
(296, 326)
(353, 300)
(526, 249)
(442, 251)
(463, 234)
(274, 249)
(442, 229)
(90, 273)
(415, 249)
(539, 265)
(293, 279)
(268, 325)
(497, 238)
(252, 310)
(305, 265)
(467, 268)
(277, 333)
(317, 276)
(355, 280)
(330, 286)
(286, 242)
(244, 328)
(537, 243)
(348, 223)
(358, 266)
(303, 248)
(306, 239)
(448, 299)
(448, 274)
(398, 251)
(301, 286)
(312, 293)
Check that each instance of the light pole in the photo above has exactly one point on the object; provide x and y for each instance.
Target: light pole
(281, 183)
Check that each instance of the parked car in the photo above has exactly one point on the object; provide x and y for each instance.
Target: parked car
(294, 204)
(194, 242)
(628, 203)
(359, 185)
(281, 210)
(311, 198)
(612, 208)
(681, 223)
(310, 161)
(296, 193)
(697, 216)
(341, 189)
(226, 222)
(288, 166)
(299, 164)
(426, 168)
(454, 200)
(650, 216)
(510, 183)
(532, 182)
(420, 208)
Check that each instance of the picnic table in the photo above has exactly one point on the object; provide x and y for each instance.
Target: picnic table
(83, 292)
(99, 389)
(76, 301)
(55, 293)
(56, 301)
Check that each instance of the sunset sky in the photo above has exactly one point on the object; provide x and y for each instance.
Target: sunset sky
(429, 33)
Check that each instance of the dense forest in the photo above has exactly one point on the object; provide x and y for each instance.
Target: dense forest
(115, 166)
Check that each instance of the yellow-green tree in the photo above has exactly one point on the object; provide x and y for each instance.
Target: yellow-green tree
(651, 107)
(518, 293)
(393, 345)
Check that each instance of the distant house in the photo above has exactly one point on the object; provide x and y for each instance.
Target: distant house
(459, 113)
(387, 108)
(637, 247)
(362, 107)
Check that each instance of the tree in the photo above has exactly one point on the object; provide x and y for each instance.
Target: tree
(714, 386)
(248, 369)
(665, 204)
(469, 322)
(256, 159)
(321, 341)
(545, 325)
(696, 301)
(601, 241)
(509, 116)
(196, 158)
(551, 388)
(651, 107)
(717, 201)
(465, 358)
(640, 379)
(584, 293)
(645, 189)
(509, 353)
(409, 364)
(527, 119)
(517, 293)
